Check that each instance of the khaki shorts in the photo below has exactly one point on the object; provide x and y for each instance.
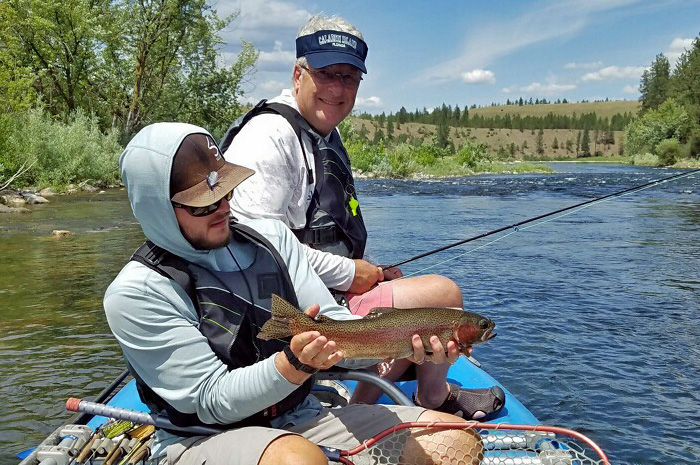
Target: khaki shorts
(340, 428)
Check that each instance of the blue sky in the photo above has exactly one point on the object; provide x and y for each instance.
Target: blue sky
(425, 53)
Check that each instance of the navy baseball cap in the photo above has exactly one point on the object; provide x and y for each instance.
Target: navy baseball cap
(325, 48)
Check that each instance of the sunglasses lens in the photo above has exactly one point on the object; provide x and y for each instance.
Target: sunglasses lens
(324, 76)
(209, 209)
(204, 211)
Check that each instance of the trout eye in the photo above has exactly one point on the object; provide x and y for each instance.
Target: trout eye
(484, 324)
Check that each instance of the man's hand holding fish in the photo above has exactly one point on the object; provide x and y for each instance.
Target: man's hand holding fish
(439, 353)
(311, 349)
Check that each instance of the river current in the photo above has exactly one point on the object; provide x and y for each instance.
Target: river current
(597, 310)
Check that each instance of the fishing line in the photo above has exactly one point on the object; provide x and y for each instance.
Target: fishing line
(515, 230)
(550, 217)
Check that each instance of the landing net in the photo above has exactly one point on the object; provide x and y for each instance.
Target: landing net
(483, 444)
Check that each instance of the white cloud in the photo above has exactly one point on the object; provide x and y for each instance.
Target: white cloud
(630, 89)
(536, 88)
(276, 60)
(274, 87)
(545, 21)
(595, 65)
(369, 102)
(479, 76)
(677, 48)
(615, 72)
(262, 22)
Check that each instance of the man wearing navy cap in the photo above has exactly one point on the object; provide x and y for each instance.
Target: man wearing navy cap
(303, 178)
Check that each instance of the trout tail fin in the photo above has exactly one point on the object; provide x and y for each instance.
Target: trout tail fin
(278, 326)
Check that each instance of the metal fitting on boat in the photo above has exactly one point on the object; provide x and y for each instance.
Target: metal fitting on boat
(72, 438)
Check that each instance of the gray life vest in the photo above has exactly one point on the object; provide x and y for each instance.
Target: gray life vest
(232, 307)
(333, 220)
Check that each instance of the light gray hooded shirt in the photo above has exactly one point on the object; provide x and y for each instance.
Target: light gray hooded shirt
(156, 322)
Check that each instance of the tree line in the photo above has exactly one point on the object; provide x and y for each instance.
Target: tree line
(128, 62)
(668, 126)
(82, 69)
(456, 117)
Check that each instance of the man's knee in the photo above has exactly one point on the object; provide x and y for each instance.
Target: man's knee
(446, 291)
(451, 292)
(458, 445)
(292, 449)
(427, 290)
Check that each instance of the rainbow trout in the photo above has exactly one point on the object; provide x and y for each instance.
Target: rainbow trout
(384, 332)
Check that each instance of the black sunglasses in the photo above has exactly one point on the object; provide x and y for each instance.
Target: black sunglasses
(204, 211)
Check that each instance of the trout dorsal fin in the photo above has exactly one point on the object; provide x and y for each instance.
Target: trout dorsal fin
(379, 311)
(283, 309)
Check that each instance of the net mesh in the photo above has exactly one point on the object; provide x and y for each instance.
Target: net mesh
(473, 445)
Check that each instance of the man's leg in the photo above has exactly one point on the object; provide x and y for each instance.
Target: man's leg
(246, 446)
(347, 427)
(446, 446)
(413, 292)
(293, 450)
(433, 391)
(429, 291)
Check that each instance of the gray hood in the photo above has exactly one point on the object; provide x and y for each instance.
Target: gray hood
(145, 167)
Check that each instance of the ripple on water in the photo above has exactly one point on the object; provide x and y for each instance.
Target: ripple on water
(596, 311)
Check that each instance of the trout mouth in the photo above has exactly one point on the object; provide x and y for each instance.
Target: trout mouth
(488, 335)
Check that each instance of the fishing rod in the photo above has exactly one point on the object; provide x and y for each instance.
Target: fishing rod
(546, 215)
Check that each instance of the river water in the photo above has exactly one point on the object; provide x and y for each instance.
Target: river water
(597, 311)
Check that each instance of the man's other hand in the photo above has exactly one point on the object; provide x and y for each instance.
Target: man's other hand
(366, 276)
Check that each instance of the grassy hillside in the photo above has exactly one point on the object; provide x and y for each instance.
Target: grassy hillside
(524, 142)
(602, 109)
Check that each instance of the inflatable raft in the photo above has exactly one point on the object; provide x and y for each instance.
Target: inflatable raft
(514, 436)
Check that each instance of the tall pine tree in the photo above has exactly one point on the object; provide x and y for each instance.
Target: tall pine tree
(654, 87)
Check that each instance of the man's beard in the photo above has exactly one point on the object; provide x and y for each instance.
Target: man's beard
(203, 244)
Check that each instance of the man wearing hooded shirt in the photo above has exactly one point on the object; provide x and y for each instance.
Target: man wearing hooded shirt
(305, 180)
(196, 358)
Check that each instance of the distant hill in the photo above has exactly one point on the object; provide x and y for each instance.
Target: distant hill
(517, 143)
(602, 109)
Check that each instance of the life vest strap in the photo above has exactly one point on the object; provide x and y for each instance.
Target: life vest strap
(318, 236)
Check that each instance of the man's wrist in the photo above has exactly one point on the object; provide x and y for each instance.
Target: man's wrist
(296, 363)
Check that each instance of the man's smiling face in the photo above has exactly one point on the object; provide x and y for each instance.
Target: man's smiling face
(324, 106)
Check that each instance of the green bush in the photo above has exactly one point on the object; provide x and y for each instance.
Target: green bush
(645, 159)
(365, 156)
(669, 152)
(58, 153)
(425, 155)
(669, 121)
(694, 145)
(471, 154)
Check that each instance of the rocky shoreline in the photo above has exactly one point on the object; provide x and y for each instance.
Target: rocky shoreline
(16, 201)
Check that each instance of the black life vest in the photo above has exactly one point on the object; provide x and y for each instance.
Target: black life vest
(232, 307)
(333, 220)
